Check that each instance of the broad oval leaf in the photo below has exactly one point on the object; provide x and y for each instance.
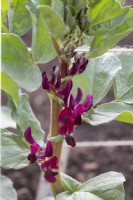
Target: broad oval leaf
(17, 63)
(10, 87)
(21, 21)
(102, 42)
(13, 151)
(102, 17)
(124, 78)
(107, 112)
(54, 23)
(24, 117)
(7, 191)
(42, 47)
(85, 196)
(107, 186)
(98, 77)
(6, 120)
(64, 196)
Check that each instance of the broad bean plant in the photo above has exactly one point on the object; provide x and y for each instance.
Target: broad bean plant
(78, 33)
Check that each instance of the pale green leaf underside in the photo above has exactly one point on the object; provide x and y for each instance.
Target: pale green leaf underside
(10, 87)
(6, 120)
(17, 63)
(124, 78)
(69, 183)
(107, 112)
(42, 47)
(7, 192)
(98, 77)
(13, 151)
(24, 117)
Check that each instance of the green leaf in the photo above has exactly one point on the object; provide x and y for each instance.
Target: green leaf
(53, 22)
(13, 151)
(7, 191)
(21, 21)
(102, 17)
(107, 186)
(17, 63)
(85, 196)
(42, 47)
(64, 196)
(98, 77)
(6, 120)
(69, 183)
(5, 5)
(124, 78)
(121, 2)
(4, 29)
(56, 139)
(107, 112)
(104, 41)
(10, 87)
(57, 5)
(24, 117)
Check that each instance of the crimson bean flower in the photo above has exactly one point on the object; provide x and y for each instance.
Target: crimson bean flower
(71, 115)
(50, 169)
(37, 153)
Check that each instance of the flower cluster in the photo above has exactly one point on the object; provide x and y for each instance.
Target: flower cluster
(37, 153)
(71, 114)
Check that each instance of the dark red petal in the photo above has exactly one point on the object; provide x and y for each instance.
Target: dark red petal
(63, 130)
(67, 88)
(34, 148)
(83, 67)
(79, 95)
(32, 158)
(72, 102)
(88, 102)
(50, 164)
(49, 149)
(45, 82)
(73, 70)
(71, 125)
(65, 112)
(58, 83)
(78, 120)
(79, 109)
(28, 136)
(50, 176)
(70, 140)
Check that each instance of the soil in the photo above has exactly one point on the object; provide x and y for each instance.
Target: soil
(83, 163)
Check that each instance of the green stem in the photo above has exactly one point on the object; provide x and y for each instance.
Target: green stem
(54, 131)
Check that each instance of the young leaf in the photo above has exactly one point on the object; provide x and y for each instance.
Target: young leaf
(102, 42)
(21, 21)
(42, 47)
(53, 22)
(102, 17)
(13, 151)
(10, 87)
(107, 112)
(7, 191)
(4, 29)
(124, 78)
(5, 6)
(57, 5)
(6, 120)
(98, 77)
(17, 62)
(69, 183)
(24, 117)
(107, 186)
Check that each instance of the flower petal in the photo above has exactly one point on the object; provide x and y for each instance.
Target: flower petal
(70, 140)
(32, 158)
(49, 149)
(72, 102)
(78, 120)
(79, 95)
(88, 102)
(79, 109)
(50, 176)
(45, 82)
(50, 164)
(28, 136)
